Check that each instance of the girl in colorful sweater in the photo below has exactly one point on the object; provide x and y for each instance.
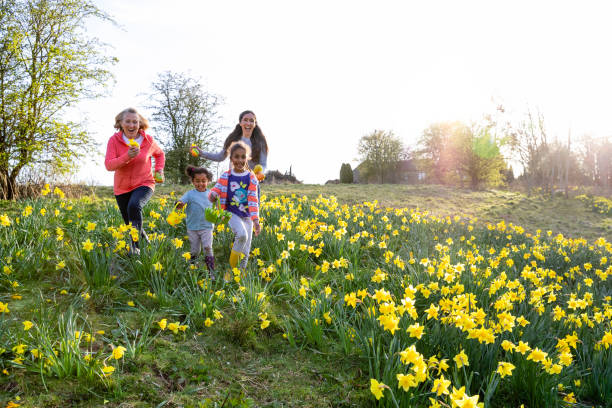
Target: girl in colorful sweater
(237, 191)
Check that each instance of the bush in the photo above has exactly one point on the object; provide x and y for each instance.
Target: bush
(346, 173)
(600, 205)
(276, 177)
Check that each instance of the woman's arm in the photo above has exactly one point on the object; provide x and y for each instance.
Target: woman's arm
(112, 161)
(159, 156)
(213, 156)
(263, 160)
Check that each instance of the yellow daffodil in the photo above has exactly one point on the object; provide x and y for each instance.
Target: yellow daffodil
(440, 386)
(461, 359)
(88, 245)
(118, 352)
(504, 369)
(377, 388)
(107, 370)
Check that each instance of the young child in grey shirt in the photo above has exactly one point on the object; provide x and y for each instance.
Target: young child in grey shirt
(199, 230)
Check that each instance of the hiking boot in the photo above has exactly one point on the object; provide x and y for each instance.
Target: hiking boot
(209, 260)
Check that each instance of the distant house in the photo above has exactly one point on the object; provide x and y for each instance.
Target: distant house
(406, 173)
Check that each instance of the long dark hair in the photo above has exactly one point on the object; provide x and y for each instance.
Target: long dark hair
(258, 140)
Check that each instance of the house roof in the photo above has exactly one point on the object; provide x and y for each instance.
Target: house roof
(407, 165)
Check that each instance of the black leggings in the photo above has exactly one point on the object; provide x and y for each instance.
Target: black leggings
(131, 204)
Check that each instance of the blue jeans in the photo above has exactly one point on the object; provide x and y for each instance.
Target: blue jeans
(131, 204)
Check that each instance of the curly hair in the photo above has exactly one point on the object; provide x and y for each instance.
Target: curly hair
(191, 172)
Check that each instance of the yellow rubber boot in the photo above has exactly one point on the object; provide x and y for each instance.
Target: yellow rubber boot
(234, 258)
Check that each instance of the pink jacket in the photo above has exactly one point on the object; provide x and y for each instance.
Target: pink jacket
(131, 173)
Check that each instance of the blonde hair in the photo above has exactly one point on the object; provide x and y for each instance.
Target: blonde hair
(143, 124)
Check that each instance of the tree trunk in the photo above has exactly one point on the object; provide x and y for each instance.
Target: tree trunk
(567, 164)
(7, 187)
(183, 178)
(528, 182)
(474, 183)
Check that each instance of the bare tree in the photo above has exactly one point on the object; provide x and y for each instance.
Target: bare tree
(596, 158)
(184, 113)
(604, 159)
(529, 143)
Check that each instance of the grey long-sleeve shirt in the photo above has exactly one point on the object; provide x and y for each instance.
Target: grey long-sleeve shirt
(220, 156)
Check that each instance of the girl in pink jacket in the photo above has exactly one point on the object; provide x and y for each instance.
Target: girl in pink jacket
(128, 154)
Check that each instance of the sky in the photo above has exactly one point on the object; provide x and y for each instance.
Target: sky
(319, 75)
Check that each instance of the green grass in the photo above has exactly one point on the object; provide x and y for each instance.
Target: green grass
(570, 217)
(201, 369)
(223, 366)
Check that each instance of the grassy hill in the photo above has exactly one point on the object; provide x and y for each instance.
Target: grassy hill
(567, 216)
(570, 217)
(79, 312)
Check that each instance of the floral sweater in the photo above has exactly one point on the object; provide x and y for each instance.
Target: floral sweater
(231, 184)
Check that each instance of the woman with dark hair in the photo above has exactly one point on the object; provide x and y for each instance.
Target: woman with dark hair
(248, 131)
(128, 154)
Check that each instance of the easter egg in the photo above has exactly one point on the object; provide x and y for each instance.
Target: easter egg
(194, 151)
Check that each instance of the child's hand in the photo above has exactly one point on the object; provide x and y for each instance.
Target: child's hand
(256, 227)
(213, 196)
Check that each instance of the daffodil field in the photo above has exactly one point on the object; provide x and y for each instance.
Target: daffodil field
(598, 204)
(431, 312)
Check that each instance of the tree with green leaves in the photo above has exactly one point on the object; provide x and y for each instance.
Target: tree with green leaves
(380, 151)
(47, 65)
(479, 157)
(437, 154)
(346, 173)
(452, 152)
(184, 113)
